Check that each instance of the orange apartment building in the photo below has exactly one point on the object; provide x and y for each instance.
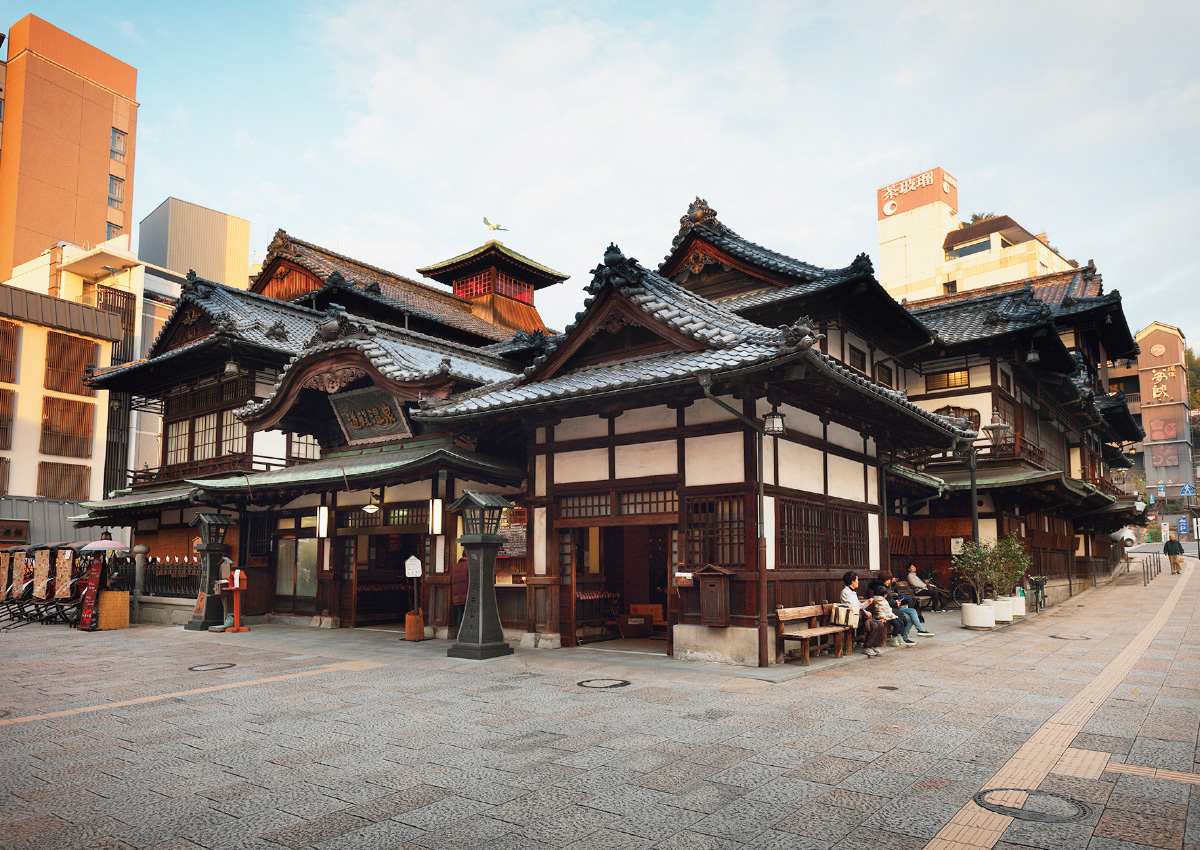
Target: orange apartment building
(68, 122)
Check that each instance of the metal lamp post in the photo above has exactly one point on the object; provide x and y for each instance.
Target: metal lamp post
(209, 610)
(480, 636)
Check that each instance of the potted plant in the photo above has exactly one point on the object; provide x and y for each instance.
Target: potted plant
(976, 564)
(1012, 563)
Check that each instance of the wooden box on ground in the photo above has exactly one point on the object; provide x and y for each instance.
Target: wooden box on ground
(113, 609)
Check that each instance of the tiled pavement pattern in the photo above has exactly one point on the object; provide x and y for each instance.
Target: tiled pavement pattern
(412, 750)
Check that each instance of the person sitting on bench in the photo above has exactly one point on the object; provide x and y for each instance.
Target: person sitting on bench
(901, 606)
(926, 588)
(873, 629)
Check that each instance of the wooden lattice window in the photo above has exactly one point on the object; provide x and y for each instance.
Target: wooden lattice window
(414, 513)
(8, 352)
(650, 502)
(858, 359)
(4, 465)
(8, 406)
(578, 507)
(473, 286)
(303, 447)
(817, 536)
(513, 288)
(178, 442)
(716, 531)
(67, 427)
(204, 437)
(63, 480)
(66, 359)
(947, 380)
(233, 434)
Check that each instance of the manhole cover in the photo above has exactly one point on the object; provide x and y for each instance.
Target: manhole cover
(208, 668)
(603, 683)
(1044, 807)
(1069, 637)
(888, 688)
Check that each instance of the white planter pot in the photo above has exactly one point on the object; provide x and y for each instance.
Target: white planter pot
(978, 616)
(1018, 604)
(1004, 609)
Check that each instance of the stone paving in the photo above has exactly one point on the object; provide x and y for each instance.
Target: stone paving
(319, 739)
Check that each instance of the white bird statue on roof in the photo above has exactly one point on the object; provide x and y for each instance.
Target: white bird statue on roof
(491, 226)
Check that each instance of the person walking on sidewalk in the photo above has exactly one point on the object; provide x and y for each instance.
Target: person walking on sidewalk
(1173, 549)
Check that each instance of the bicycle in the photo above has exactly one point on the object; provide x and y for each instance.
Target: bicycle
(1037, 589)
(964, 593)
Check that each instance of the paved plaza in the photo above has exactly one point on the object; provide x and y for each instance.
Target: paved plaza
(156, 737)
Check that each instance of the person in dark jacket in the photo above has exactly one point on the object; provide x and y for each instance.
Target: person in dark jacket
(1173, 549)
(459, 577)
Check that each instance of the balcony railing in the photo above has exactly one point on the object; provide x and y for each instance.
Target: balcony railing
(1133, 398)
(239, 462)
(1105, 486)
(1016, 447)
(172, 578)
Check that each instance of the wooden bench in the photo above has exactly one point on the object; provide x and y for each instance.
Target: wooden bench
(809, 623)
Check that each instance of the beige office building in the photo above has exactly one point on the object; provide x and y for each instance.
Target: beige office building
(66, 143)
(924, 251)
(184, 237)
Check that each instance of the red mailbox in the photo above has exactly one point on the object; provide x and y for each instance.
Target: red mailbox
(234, 585)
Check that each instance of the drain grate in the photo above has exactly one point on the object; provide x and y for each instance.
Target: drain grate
(1038, 798)
(208, 668)
(603, 683)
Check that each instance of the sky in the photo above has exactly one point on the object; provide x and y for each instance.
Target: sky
(387, 131)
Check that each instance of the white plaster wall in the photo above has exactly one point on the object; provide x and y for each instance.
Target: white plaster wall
(802, 421)
(716, 459)
(768, 448)
(581, 428)
(873, 554)
(846, 479)
(987, 530)
(345, 499)
(540, 435)
(539, 475)
(981, 376)
(645, 419)
(769, 529)
(587, 465)
(643, 459)
(845, 437)
(480, 487)
(416, 491)
(872, 449)
(872, 485)
(308, 500)
(800, 467)
(270, 443)
(1075, 463)
(705, 410)
(537, 542)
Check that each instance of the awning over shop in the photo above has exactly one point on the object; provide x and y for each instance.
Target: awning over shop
(117, 510)
(1053, 484)
(932, 482)
(398, 465)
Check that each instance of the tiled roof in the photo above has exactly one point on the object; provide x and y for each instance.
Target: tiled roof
(413, 455)
(253, 319)
(779, 295)
(986, 314)
(701, 219)
(398, 354)
(493, 245)
(392, 288)
(731, 343)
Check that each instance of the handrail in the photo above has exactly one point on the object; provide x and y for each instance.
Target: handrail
(237, 462)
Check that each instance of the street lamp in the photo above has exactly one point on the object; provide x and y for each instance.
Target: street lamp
(480, 635)
(997, 429)
(209, 611)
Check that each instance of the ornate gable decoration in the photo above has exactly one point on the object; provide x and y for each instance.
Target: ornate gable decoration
(1023, 307)
(336, 324)
(699, 213)
(333, 381)
(800, 335)
(281, 246)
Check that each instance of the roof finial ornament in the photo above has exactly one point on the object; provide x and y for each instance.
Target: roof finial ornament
(336, 325)
(281, 245)
(800, 335)
(617, 269)
(699, 213)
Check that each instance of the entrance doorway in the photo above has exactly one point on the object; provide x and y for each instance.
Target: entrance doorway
(374, 589)
(620, 581)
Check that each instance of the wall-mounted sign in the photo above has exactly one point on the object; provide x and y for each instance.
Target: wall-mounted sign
(14, 531)
(956, 545)
(369, 416)
(412, 567)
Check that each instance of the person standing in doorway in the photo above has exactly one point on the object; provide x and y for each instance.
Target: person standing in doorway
(459, 579)
(1173, 549)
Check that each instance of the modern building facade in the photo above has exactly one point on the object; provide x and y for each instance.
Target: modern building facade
(184, 237)
(66, 145)
(926, 251)
(1155, 383)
